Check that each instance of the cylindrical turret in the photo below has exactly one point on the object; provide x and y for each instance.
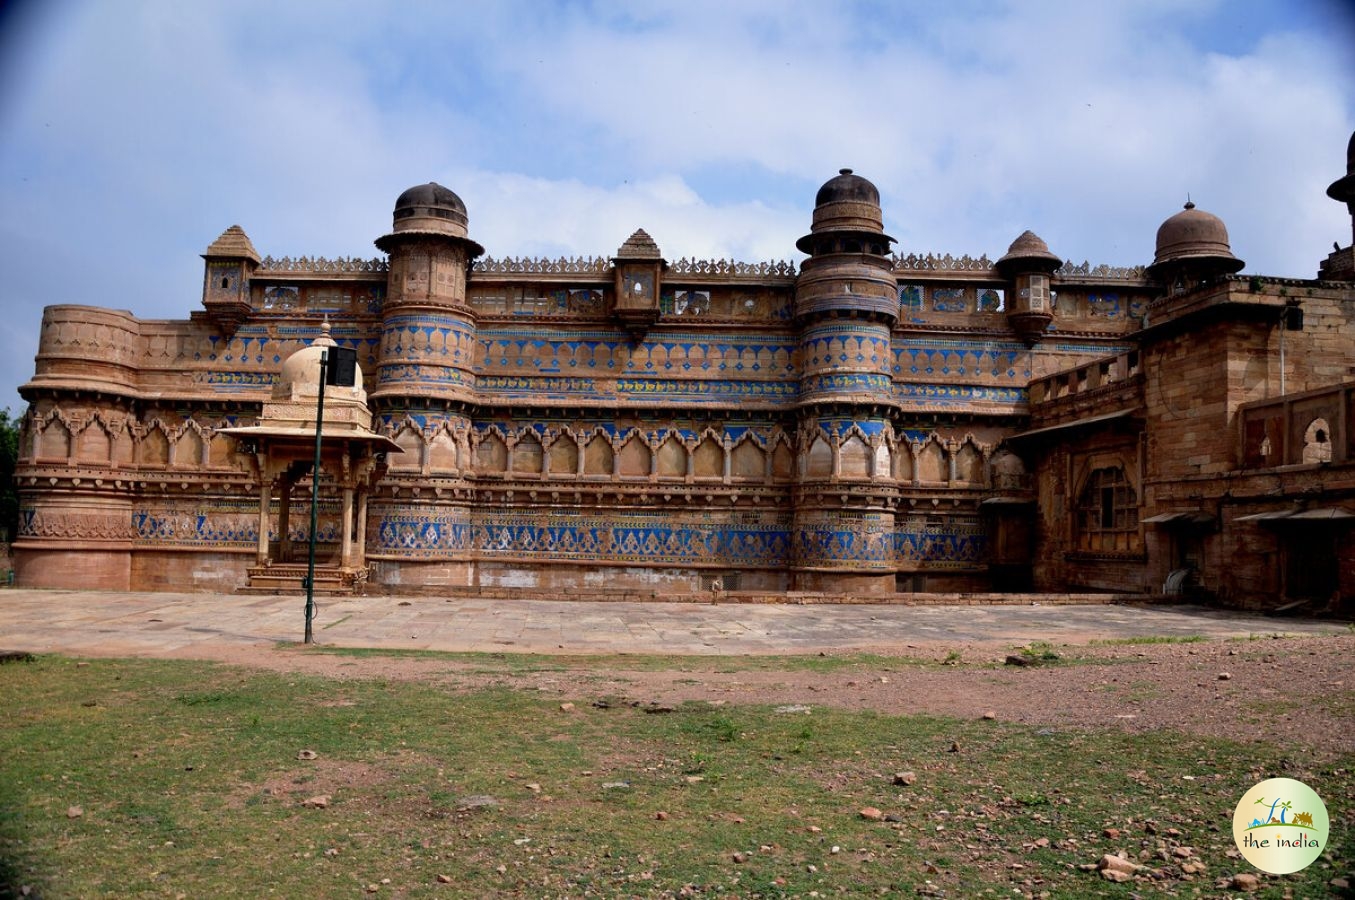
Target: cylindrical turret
(428, 328)
(846, 302)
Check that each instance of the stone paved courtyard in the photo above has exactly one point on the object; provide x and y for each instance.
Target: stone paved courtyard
(158, 624)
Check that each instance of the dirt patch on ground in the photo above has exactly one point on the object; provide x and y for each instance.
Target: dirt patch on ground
(1241, 690)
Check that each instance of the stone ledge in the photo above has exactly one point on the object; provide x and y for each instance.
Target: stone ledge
(797, 598)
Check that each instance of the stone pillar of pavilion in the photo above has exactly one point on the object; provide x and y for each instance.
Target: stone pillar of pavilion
(352, 461)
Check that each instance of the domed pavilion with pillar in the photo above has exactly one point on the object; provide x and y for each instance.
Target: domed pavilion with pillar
(283, 447)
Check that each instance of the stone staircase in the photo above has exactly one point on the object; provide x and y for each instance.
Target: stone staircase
(289, 578)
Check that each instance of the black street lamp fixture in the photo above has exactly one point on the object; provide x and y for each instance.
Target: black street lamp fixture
(343, 373)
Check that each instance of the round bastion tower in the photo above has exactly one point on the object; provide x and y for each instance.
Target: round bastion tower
(425, 380)
(846, 303)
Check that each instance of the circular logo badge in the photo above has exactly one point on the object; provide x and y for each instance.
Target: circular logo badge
(1280, 825)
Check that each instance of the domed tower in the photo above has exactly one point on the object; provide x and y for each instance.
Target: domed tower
(1192, 247)
(1028, 265)
(846, 302)
(428, 328)
(1340, 264)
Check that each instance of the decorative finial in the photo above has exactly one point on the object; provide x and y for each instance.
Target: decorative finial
(844, 171)
(1189, 203)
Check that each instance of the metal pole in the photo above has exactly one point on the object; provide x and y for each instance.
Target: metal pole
(315, 500)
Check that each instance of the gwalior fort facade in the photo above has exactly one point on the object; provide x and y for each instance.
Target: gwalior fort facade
(864, 424)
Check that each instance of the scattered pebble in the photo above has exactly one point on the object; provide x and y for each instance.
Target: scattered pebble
(306, 754)
(905, 778)
(74, 812)
(871, 813)
(320, 801)
(476, 801)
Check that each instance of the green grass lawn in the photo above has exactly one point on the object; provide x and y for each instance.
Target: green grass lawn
(188, 783)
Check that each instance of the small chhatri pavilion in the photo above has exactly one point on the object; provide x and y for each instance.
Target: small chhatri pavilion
(352, 458)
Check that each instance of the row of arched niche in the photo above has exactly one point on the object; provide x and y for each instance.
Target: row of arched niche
(710, 455)
(560, 452)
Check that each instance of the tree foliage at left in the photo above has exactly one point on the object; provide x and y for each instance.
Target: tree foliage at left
(9, 456)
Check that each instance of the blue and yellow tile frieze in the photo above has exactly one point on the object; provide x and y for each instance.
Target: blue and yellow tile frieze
(422, 534)
(432, 532)
(953, 543)
(223, 524)
(545, 351)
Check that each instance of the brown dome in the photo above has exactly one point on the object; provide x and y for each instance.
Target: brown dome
(431, 194)
(846, 202)
(1028, 252)
(847, 186)
(429, 210)
(1194, 235)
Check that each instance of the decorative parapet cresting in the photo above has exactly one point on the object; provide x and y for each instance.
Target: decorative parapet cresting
(343, 265)
(730, 268)
(931, 262)
(528, 265)
(1101, 271)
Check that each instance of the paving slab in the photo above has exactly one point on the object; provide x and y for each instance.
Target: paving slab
(158, 624)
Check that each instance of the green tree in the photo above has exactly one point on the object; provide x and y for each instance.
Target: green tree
(9, 456)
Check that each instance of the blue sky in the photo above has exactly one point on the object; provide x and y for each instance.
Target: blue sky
(132, 133)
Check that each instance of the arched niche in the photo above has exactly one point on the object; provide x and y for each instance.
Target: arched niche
(54, 443)
(635, 458)
(819, 460)
(527, 455)
(708, 459)
(901, 465)
(931, 464)
(155, 448)
(854, 458)
(672, 458)
(748, 461)
(93, 447)
(491, 456)
(188, 450)
(598, 456)
(442, 453)
(969, 464)
(783, 462)
(564, 455)
(1317, 442)
(410, 457)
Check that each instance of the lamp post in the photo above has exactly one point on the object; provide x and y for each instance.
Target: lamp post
(341, 372)
(315, 498)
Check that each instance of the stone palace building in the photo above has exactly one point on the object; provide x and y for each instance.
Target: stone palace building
(861, 424)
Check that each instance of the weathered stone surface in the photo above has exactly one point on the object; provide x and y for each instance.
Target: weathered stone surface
(858, 426)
